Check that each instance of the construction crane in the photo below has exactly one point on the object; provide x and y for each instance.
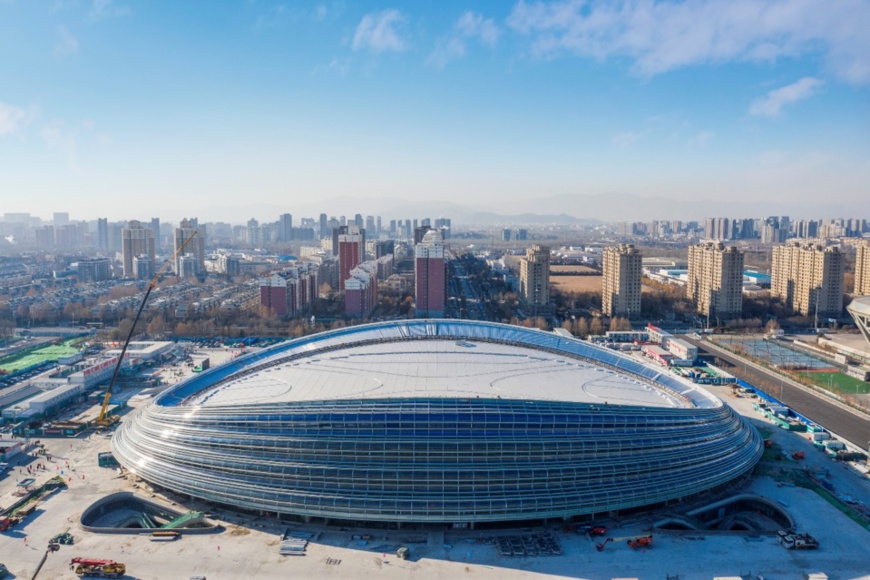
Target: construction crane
(105, 420)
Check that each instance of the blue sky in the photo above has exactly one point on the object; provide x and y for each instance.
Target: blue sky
(171, 108)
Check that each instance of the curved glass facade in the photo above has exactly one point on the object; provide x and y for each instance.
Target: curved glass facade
(434, 459)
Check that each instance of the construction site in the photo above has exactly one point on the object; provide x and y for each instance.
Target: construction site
(75, 517)
(67, 509)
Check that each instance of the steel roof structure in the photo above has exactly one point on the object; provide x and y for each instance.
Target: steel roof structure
(437, 421)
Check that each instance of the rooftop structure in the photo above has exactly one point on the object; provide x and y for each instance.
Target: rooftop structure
(438, 421)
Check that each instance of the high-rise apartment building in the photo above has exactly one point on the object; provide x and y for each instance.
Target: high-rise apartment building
(290, 291)
(419, 233)
(158, 242)
(535, 278)
(862, 269)
(717, 229)
(430, 276)
(336, 232)
(350, 252)
(116, 235)
(143, 267)
(361, 290)
(621, 281)
(94, 270)
(61, 218)
(45, 237)
(285, 227)
(324, 226)
(809, 278)
(775, 229)
(137, 241)
(715, 284)
(253, 232)
(102, 234)
(384, 248)
(195, 248)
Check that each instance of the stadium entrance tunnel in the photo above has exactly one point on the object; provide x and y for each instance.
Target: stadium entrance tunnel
(739, 513)
(126, 513)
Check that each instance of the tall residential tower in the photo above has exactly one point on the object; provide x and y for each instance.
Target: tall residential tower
(715, 284)
(621, 281)
(809, 278)
(195, 248)
(137, 241)
(535, 278)
(862, 269)
(430, 276)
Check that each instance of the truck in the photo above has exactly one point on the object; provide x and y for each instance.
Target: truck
(98, 568)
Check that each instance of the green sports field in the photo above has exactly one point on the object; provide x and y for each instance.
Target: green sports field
(840, 383)
(45, 353)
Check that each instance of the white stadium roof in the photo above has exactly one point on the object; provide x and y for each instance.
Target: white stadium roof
(437, 369)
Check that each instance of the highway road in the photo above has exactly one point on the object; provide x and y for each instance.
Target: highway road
(833, 417)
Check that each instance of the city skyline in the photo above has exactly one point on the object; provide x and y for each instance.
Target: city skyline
(489, 106)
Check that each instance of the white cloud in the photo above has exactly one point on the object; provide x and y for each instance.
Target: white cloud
(107, 9)
(67, 44)
(772, 103)
(469, 26)
(56, 137)
(666, 35)
(377, 32)
(12, 119)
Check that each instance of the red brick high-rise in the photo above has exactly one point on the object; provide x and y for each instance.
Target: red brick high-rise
(430, 276)
(350, 253)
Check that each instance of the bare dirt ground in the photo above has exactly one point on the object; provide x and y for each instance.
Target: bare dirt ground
(576, 283)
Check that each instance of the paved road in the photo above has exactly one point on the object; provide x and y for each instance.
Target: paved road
(842, 422)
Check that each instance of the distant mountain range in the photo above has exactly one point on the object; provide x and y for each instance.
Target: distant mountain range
(558, 209)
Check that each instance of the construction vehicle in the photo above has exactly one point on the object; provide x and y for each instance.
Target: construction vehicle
(600, 545)
(65, 538)
(642, 542)
(796, 541)
(98, 568)
(164, 536)
(404, 553)
(798, 455)
(592, 530)
(105, 420)
(7, 522)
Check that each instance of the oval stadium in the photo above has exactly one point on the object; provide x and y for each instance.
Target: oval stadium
(437, 421)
